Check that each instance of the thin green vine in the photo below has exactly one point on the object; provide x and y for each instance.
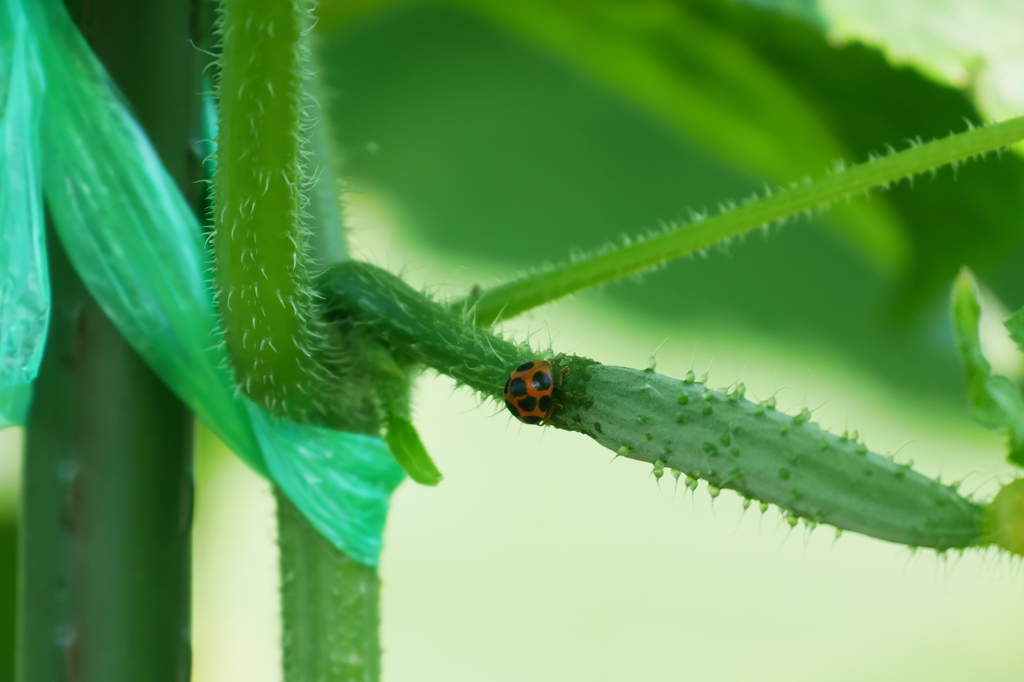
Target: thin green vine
(536, 289)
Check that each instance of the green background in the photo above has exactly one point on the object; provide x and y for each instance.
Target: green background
(478, 142)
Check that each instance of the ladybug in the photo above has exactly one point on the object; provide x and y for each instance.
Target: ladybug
(528, 392)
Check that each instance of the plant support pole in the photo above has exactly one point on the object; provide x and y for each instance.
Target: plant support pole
(105, 560)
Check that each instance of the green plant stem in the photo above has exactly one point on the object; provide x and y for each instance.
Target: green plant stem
(272, 327)
(329, 606)
(413, 325)
(105, 560)
(326, 226)
(260, 237)
(516, 297)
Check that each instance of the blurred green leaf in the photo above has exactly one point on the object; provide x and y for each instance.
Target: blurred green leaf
(975, 45)
(772, 94)
(972, 218)
(409, 452)
(705, 81)
(966, 317)
(975, 50)
(994, 400)
(1015, 325)
(1009, 403)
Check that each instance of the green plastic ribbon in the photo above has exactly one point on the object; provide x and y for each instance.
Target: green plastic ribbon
(25, 286)
(140, 251)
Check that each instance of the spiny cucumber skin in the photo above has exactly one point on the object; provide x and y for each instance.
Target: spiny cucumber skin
(266, 304)
(417, 327)
(722, 438)
(765, 455)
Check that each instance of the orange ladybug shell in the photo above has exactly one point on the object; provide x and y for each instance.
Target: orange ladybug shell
(528, 392)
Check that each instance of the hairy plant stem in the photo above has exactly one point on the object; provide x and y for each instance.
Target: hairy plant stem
(260, 188)
(274, 336)
(329, 605)
(105, 561)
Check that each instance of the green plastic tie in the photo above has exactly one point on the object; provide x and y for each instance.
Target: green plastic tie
(140, 251)
(25, 285)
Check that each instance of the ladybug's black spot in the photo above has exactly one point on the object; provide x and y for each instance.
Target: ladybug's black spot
(525, 367)
(531, 420)
(512, 409)
(544, 403)
(541, 381)
(528, 404)
(516, 387)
